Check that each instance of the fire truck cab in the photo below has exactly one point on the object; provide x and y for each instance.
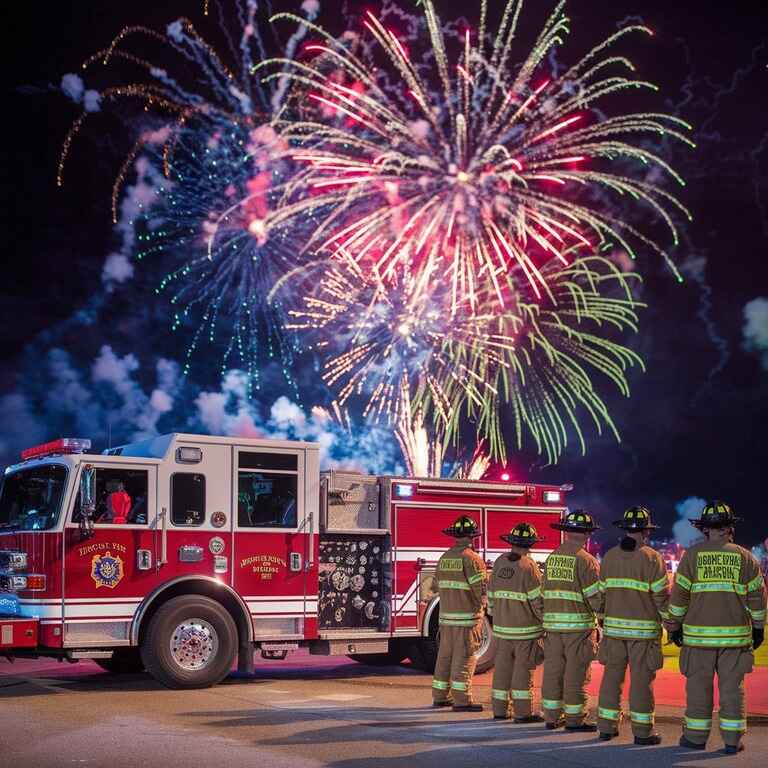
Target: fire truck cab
(184, 554)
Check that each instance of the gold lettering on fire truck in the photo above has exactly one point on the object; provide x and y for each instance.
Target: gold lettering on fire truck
(265, 565)
(103, 546)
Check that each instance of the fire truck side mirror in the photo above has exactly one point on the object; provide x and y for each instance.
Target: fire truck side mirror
(87, 501)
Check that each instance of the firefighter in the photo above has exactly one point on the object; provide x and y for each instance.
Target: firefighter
(717, 615)
(516, 605)
(461, 578)
(636, 594)
(572, 600)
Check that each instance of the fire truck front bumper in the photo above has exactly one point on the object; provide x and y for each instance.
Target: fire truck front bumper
(17, 633)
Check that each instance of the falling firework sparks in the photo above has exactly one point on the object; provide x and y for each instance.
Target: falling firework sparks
(498, 167)
(217, 220)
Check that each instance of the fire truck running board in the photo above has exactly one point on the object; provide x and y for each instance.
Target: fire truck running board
(347, 647)
(89, 654)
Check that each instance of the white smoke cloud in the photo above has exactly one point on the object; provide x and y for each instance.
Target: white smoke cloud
(682, 531)
(73, 87)
(138, 197)
(755, 330)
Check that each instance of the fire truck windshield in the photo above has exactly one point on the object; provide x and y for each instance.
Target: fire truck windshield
(30, 499)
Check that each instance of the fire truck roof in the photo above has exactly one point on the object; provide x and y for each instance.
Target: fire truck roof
(163, 446)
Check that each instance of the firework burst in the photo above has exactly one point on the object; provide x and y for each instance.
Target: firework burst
(466, 164)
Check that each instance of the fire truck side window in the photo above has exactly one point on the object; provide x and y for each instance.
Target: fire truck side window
(187, 498)
(267, 490)
(120, 495)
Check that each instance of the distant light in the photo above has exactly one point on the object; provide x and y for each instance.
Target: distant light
(189, 455)
(403, 491)
(552, 497)
(404, 329)
(462, 176)
(505, 476)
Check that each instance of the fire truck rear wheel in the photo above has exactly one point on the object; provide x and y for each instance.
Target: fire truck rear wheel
(124, 661)
(423, 652)
(190, 643)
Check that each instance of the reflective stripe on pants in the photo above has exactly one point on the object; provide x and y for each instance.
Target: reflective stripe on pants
(456, 663)
(699, 665)
(567, 660)
(643, 658)
(513, 676)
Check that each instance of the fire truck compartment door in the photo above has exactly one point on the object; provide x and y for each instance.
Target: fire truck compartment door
(104, 584)
(273, 522)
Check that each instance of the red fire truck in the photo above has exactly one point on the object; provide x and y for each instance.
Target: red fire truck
(183, 553)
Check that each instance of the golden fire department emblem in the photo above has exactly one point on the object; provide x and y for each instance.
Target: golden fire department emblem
(107, 570)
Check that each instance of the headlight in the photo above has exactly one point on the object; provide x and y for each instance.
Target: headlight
(17, 561)
(17, 583)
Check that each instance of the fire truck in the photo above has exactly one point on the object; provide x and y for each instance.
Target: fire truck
(184, 554)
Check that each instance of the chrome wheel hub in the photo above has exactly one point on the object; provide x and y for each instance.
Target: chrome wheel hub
(194, 643)
(485, 640)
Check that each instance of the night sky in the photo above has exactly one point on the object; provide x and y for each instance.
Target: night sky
(695, 425)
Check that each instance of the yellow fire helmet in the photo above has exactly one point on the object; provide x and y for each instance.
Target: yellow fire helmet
(463, 527)
(522, 535)
(636, 519)
(716, 514)
(578, 521)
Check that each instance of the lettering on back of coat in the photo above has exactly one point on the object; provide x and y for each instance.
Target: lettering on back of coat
(561, 568)
(718, 566)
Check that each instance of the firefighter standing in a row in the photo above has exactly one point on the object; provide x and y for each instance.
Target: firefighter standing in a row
(461, 578)
(516, 606)
(717, 613)
(636, 593)
(572, 601)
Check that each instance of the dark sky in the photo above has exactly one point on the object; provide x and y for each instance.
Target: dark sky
(696, 422)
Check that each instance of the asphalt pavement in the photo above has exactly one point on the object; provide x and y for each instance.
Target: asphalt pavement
(301, 713)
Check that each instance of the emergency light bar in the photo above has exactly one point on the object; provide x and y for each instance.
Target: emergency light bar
(62, 445)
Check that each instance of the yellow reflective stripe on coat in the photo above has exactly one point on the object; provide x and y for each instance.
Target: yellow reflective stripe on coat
(458, 622)
(568, 621)
(640, 586)
(719, 586)
(518, 633)
(592, 589)
(757, 615)
(660, 585)
(615, 621)
(445, 584)
(563, 594)
(695, 724)
(631, 628)
(677, 610)
(682, 581)
(534, 593)
(476, 577)
(756, 584)
(503, 594)
(737, 631)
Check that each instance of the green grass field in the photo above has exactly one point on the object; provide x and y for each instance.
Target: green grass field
(672, 652)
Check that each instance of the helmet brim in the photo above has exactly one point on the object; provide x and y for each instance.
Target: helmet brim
(699, 523)
(573, 528)
(450, 532)
(529, 542)
(630, 527)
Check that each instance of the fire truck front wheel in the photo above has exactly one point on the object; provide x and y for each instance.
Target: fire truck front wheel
(190, 643)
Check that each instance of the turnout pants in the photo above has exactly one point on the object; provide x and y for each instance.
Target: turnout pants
(644, 659)
(455, 663)
(699, 666)
(513, 676)
(567, 659)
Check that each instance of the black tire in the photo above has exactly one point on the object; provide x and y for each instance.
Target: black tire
(205, 659)
(124, 661)
(423, 652)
